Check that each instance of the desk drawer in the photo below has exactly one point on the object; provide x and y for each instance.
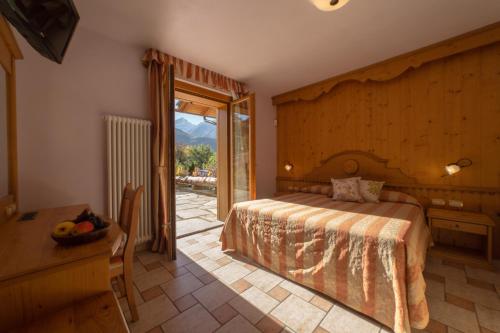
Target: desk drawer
(460, 226)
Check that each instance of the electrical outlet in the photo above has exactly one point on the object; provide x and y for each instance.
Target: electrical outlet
(455, 203)
(438, 202)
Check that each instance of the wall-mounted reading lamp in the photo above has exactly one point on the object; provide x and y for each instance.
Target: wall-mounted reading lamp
(453, 168)
(288, 166)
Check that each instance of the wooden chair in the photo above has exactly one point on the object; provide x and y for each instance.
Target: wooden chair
(121, 265)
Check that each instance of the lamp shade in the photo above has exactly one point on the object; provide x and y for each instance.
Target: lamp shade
(288, 167)
(328, 5)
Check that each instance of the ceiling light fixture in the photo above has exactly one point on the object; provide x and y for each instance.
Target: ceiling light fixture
(329, 5)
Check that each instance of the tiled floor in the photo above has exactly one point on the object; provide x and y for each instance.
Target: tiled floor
(195, 212)
(206, 290)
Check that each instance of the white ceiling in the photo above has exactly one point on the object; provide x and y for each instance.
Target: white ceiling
(278, 45)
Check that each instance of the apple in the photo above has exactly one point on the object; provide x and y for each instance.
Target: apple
(63, 229)
(82, 228)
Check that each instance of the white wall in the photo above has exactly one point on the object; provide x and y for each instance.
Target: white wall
(61, 134)
(61, 139)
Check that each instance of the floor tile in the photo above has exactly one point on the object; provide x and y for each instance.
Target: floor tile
(488, 318)
(224, 261)
(207, 278)
(238, 324)
(151, 293)
(253, 304)
(263, 280)
(279, 293)
(483, 275)
(181, 286)
(185, 302)
(474, 294)
(454, 264)
(231, 273)
(481, 284)
(461, 302)
(434, 289)
(215, 253)
(322, 303)
(269, 324)
(453, 316)
(437, 327)
(152, 279)
(152, 266)
(193, 320)
(431, 276)
(240, 286)
(214, 295)
(198, 256)
(224, 313)
(153, 313)
(340, 319)
(299, 315)
(148, 257)
(179, 271)
(450, 273)
(202, 267)
(297, 290)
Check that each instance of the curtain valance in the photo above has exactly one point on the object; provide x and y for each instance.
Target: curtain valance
(197, 74)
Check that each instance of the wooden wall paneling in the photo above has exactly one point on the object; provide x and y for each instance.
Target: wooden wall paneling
(420, 121)
(394, 67)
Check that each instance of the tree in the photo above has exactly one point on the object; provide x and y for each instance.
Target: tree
(191, 157)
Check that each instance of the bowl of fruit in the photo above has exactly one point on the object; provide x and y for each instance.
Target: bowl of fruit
(86, 228)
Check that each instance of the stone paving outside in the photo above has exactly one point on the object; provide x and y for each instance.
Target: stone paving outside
(195, 212)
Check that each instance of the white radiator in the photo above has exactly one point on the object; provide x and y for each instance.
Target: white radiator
(129, 160)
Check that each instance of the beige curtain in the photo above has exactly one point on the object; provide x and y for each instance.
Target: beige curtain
(162, 197)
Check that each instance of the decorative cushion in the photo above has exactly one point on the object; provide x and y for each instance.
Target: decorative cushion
(370, 190)
(347, 189)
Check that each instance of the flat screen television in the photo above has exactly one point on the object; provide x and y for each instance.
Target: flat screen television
(47, 25)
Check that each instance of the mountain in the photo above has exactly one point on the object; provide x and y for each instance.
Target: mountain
(204, 130)
(203, 135)
(184, 125)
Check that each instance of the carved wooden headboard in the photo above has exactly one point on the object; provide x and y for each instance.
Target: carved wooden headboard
(355, 163)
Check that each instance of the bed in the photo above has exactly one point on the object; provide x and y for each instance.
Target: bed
(368, 256)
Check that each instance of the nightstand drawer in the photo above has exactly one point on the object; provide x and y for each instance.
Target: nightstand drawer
(460, 226)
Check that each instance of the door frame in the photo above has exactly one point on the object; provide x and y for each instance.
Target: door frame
(222, 102)
(250, 98)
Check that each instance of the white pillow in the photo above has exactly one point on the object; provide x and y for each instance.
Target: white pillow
(347, 189)
(370, 190)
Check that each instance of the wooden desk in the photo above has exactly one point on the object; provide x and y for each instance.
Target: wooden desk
(37, 276)
(96, 314)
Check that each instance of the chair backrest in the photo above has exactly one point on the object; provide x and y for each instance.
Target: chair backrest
(129, 217)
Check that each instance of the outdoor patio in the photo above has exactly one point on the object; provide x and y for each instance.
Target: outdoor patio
(195, 212)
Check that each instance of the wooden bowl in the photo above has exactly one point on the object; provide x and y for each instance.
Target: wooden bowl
(82, 238)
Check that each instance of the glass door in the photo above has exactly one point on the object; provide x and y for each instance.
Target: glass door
(242, 147)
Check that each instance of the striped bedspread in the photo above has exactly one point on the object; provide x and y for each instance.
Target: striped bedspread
(369, 256)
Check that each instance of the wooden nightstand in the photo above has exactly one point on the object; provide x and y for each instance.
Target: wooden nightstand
(467, 222)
